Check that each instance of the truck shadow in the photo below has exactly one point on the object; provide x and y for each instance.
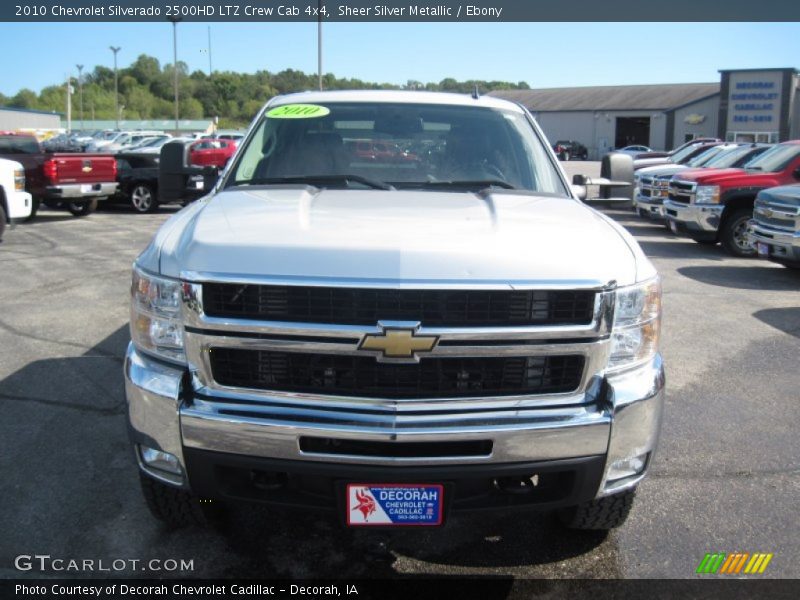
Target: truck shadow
(782, 319)
(683, 248)
(758, 277)
(308, 545)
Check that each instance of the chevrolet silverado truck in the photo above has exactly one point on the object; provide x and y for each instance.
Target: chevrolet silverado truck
(775, 228)
(651, 184)
(15, 202)
(73, 181)
(717, 206)
(393, 342)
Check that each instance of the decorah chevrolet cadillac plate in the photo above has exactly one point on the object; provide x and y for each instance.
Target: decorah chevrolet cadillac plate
(392, 306)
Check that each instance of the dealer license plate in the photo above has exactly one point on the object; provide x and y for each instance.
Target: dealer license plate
(762, 248)
(85, 188)
(394, 504)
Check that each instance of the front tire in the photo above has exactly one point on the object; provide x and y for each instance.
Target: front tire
(733, 233)
(143, 198)
(601, 514)
(175, 507)
(81, 209)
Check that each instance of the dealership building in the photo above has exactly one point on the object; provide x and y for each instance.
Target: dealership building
(760, 105)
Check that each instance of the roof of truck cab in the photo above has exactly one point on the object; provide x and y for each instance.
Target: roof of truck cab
(394, 96)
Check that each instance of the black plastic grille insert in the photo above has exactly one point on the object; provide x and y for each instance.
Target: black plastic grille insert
(449, 377)
(367, 306)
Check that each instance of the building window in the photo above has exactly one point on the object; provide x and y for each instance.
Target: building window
(761, 137)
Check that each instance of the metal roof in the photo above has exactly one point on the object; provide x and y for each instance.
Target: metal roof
(397, 96)
(611, 97)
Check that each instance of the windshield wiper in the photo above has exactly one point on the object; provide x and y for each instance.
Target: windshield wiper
(322, 180)
(470, 183)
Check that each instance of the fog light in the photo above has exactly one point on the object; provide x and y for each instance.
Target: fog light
(163, 461)
(625, 468)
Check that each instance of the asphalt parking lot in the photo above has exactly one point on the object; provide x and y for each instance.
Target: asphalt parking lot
(726, 477)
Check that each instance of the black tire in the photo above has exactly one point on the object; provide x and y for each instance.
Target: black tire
(3, 218)
(143, 198)
(732, 233)
(643, 213)
(81, 209)
(35, 203)
(173, 506)
(600, 514)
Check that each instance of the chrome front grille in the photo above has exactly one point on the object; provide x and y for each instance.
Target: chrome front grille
(310, 372)
(782, 217)
(682, 192)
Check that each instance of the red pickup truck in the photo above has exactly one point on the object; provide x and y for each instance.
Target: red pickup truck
(716, 206)
(76, 181)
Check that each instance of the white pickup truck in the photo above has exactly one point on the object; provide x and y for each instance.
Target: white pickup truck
(394, 337)
(15, 202)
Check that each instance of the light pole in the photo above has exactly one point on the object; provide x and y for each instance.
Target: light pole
(175, 20)
(319, 43)
(80, 91)
(116, 49)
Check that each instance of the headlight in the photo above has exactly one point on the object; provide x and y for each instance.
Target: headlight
(156, 325)
(707, 194)
(637, 324)
(19, 180)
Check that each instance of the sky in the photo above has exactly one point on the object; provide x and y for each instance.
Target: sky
(542, 54)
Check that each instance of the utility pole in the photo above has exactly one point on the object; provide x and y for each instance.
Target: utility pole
(319, 43)
(69, 104)
(116, 49)
(210, 69)
(80, 91)
(175, 20)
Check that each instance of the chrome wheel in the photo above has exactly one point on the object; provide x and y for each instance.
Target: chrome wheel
(142, 199)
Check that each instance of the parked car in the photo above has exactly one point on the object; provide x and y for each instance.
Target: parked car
(137, 175)
(15, 202)
(76, 181)
(569, 149)
(679, 157)
(154, 146)
(651, 184)
(717, 206)
(634, 151)
(211, 152)
(775, 228)
(311, 335)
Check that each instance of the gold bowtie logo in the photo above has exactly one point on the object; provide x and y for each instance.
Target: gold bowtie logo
(398, 342)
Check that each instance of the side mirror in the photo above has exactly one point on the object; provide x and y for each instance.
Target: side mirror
(580, 192)
(579, 180)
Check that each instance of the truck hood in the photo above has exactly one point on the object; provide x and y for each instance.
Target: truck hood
(727, 177)
(785, 194)
(661, 170)
(398, 236)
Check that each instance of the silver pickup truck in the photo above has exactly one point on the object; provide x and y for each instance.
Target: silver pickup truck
(774, 230)
(395, 336)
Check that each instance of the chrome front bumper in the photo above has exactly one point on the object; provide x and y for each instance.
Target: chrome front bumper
(653, 206)
(781, 246)
(694, 218)
(619, 418)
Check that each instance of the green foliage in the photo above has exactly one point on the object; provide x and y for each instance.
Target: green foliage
(146, 91)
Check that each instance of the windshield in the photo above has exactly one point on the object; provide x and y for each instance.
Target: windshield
(703, 158)
(401, 145)
(18, 144)
(731, 157)
(682, 154)
(776, 158)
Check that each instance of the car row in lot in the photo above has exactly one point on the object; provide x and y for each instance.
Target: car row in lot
(745, 197)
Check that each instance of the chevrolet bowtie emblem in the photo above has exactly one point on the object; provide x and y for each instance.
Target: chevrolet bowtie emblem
(398, 342)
